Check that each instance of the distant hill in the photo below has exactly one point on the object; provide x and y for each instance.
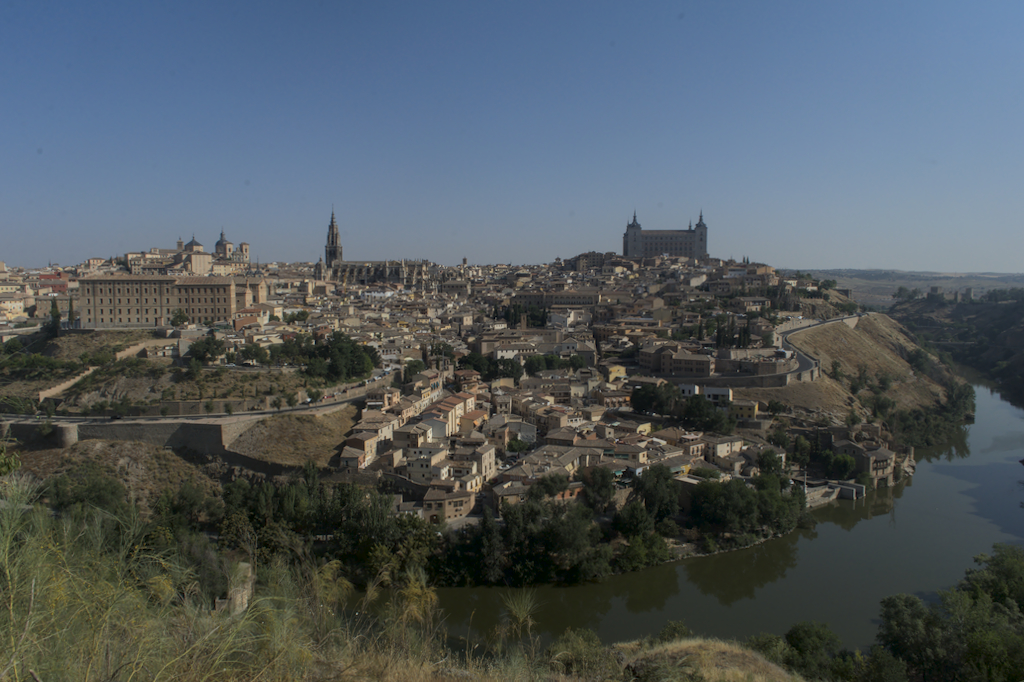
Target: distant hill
(875, 287)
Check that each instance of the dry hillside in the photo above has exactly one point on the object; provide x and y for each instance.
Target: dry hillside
(145, 470)
(878, 345)
(292, 440)
(705, 659)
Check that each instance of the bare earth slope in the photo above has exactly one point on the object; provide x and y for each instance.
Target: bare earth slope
(292, 440)
(878, 344)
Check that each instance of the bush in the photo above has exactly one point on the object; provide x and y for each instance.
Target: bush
(667, 528)
(673, 630)
(580, 653)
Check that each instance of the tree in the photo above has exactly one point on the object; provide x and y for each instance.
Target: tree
(633, 520)
(812, 645)
(491, 552)
(53, 326)
(658, 492)
(549, 486)
(598, 488)
(178, 318)
(207, 349)
(516, 445)
(412, 368)
(769, 462)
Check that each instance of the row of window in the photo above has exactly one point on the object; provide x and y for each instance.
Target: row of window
(138, 320)
(145, 290)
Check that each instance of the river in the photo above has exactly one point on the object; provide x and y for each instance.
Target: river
(916, 538)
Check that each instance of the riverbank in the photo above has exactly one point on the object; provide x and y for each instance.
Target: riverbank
(917, 536)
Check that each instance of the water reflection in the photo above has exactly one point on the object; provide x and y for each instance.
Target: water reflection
(848, 513)
(648, 590)
(956, 448)
(733, 576)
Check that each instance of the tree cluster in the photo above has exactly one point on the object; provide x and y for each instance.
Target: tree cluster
(491, 369)
(973, 632)
(770, 507)
(696, 412)
(535, 364)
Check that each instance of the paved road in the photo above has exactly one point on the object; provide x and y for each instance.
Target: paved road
(806, 362)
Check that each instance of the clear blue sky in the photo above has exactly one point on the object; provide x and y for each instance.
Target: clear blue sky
(811, 134)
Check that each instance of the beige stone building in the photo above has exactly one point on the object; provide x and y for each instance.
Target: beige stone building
(136, 301)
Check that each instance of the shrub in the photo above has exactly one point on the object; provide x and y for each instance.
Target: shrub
(673, 630)
(580, 653)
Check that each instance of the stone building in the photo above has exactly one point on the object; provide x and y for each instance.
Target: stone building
(134, 301)
(691, 243)
(332, 268)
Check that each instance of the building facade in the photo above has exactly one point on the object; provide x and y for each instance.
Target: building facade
(126, 301)
(640, 243)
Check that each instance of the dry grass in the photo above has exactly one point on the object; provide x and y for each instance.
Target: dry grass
(878, 344)
(292, 440)
(713, 660)
(71, 346)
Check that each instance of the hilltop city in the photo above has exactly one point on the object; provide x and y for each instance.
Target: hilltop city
(484, 379)
(408, 425)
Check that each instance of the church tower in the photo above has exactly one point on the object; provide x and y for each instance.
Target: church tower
(700, 245)
(633, 240)
(332, 254)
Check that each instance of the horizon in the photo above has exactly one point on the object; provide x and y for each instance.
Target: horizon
(867, 137)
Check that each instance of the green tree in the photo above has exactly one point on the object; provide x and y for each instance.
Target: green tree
(206, 349)
(598, 488)
(812, 646)
(179, 318)
(491, 550)
(412, 368)
(769, 462)
(633, 520)
(657, 491)
(53, 326)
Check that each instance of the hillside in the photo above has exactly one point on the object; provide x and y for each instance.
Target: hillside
(144, 470)
(878, 349)
(292, 440)
(985, 334)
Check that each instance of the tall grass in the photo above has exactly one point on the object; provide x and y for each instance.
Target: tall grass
(87, 598)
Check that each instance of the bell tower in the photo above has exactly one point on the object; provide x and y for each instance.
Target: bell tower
(332, 253)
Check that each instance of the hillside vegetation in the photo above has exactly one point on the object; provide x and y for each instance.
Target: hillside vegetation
(97, 592)
(987, 334)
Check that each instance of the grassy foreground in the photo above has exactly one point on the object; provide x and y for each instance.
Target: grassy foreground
(85, 596)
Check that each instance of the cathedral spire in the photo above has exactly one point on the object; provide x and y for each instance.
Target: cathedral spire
(332, 252)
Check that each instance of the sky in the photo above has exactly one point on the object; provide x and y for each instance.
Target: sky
(811, 134)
